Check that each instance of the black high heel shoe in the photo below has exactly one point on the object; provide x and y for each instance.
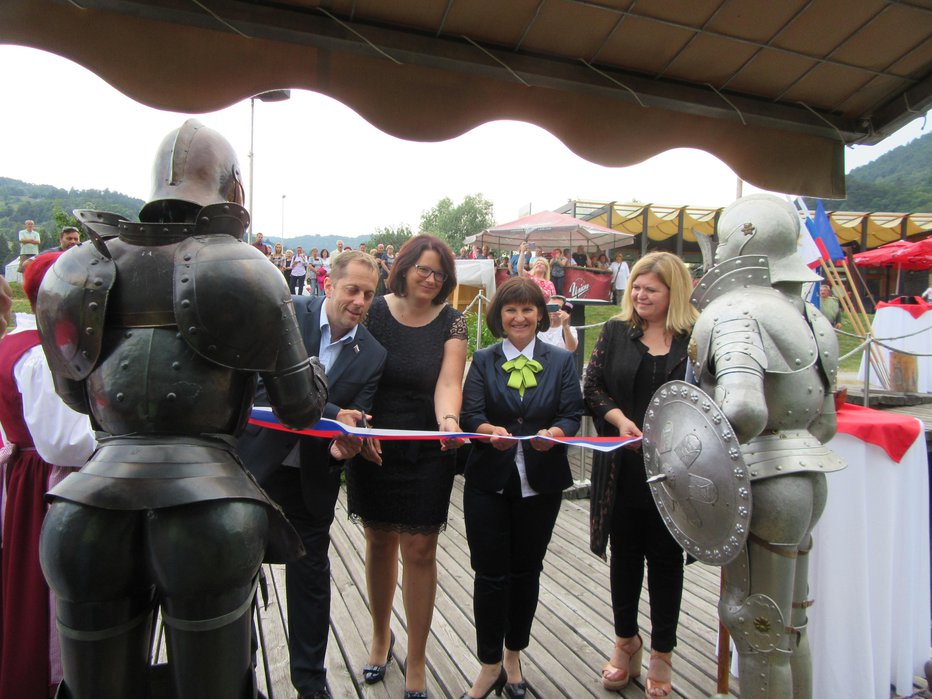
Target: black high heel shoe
(496, 687)
(372, 674)
(516, 690)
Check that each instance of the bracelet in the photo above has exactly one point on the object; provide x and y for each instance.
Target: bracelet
(455, 419)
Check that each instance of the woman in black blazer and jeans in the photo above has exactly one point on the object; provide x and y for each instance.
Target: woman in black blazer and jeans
(638, 351)
(511, 500)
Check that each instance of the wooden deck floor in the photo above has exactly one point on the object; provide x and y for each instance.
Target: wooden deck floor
(572, 632)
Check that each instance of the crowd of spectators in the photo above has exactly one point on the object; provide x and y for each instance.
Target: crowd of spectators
(306, 272)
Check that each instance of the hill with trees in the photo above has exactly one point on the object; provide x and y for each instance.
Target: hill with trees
(50, 207)
(899, 181)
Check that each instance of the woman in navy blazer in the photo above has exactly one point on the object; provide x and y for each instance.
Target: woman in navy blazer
(513, 488)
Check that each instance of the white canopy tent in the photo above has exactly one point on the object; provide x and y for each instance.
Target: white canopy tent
(11, 272)
(549, 230)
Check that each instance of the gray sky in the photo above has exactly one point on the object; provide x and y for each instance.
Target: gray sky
(64, 126)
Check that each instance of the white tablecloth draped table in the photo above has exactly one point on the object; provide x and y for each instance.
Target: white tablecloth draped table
(477, 273)
(896, 321)
(869, 573)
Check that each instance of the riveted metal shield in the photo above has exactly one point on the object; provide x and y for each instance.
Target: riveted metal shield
(696, 473)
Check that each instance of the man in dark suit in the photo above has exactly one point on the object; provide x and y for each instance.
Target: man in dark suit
(302, 474)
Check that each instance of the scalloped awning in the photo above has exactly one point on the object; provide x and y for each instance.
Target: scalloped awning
(773, 89)
(869, 229)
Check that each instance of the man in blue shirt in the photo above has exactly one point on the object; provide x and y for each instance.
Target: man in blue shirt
(302, 474)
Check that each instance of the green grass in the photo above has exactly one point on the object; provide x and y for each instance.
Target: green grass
(600, 314)
(846, 344)
(597, 314)
(20, 302)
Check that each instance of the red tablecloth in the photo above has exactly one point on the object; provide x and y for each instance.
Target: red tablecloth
(891, 432)
(914, 309)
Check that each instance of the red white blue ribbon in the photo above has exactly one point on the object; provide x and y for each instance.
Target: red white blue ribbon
(329, 429)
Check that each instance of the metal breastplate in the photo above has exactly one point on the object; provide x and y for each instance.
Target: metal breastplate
(149, 379)
(799, 358)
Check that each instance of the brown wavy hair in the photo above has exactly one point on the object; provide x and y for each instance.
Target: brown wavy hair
(408, 256)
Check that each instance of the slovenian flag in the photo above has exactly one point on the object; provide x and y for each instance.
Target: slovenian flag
(820, 228)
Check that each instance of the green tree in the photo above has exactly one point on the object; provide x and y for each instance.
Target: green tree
(454, 223)
(391, 235)
(61, 220)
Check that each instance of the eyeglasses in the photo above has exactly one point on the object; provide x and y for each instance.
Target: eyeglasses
(425, 272)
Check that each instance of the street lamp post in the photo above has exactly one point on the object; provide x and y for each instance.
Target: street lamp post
(270, 96)
(283, 220)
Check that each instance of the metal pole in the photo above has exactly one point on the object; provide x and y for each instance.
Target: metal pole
(252, 133)
(479, 323)
(867, 374)
(283, 219)
(270, 96)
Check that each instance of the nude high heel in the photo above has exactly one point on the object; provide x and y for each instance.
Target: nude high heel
(614, 678)
(659, 675)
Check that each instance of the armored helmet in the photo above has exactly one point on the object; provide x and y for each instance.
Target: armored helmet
(764, 224)
(195, 166)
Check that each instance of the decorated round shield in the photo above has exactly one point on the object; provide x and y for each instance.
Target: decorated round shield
(696, 473)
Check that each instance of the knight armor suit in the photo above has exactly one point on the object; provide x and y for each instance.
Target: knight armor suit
(158, 330)
(769, 360)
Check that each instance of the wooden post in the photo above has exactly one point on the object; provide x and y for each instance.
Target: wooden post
(861, 326)
(724, 649)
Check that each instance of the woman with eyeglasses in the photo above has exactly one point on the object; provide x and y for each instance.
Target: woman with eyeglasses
(401, 490)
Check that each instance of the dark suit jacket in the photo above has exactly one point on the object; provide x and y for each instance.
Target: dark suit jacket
(556, 401)
(351, 380)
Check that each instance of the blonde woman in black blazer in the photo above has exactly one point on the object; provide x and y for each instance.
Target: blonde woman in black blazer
(513, 489)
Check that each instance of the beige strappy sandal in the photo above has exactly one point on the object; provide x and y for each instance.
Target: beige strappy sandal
(614, 678)
(659, 675)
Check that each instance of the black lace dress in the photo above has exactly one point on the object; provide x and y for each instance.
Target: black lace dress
(410, 491)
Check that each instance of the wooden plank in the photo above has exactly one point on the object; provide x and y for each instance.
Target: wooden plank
(571, 638)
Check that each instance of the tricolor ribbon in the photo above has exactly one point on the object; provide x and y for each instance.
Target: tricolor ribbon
(329, 429)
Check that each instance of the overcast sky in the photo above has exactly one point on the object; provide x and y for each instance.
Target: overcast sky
(62, 125)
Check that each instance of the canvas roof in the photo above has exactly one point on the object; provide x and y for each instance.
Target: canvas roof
(775, 89)
(869, 229)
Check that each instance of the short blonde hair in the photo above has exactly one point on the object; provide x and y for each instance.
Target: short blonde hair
(681, 315)
(546, 262)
